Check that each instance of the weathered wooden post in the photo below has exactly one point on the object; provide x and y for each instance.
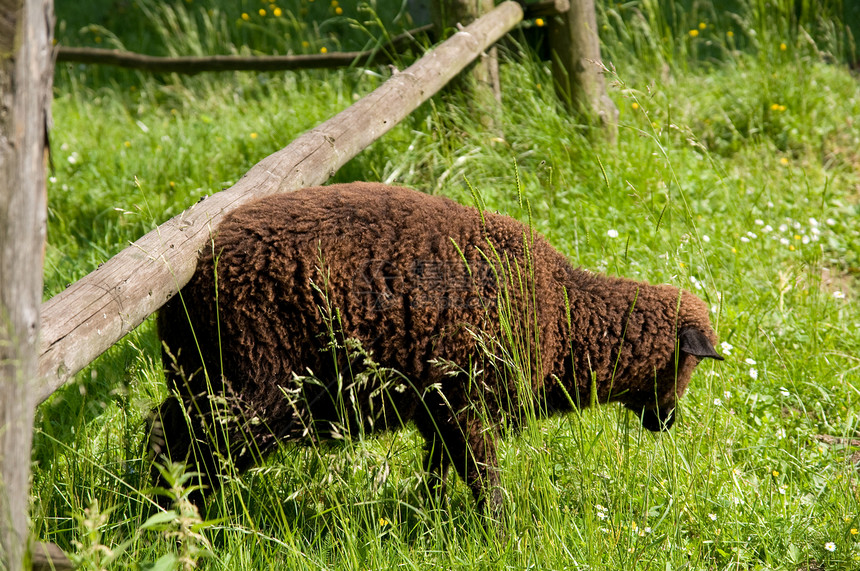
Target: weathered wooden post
(26, 79)
(482, 80)
(576, 65)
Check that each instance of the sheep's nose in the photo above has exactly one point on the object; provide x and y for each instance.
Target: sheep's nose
(658, 419)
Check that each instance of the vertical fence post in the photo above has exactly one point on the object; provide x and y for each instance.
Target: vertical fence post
(26, 79)
(576, 64)
(482, 79)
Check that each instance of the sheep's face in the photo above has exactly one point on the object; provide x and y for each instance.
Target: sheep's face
(656, 407)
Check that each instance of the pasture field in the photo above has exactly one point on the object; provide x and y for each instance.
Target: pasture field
(736, 174)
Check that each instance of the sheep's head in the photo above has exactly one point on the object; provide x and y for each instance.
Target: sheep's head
(656, 407)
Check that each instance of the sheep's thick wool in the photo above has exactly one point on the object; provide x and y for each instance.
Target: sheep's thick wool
(359, 307)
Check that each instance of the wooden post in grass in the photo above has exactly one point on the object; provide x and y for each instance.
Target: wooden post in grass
(92, 314)
(576, 65)
(482, 80)
(26, 80)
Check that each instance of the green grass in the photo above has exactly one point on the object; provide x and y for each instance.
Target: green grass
(735, 175)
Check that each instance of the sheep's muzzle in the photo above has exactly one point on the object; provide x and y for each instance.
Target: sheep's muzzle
(658, 419)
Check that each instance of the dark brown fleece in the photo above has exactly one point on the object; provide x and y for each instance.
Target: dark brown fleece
(424, 285)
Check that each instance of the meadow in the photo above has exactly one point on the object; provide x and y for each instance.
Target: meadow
(735, 174)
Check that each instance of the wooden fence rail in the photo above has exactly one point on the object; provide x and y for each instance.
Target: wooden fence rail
(199, 64)
(93, 313)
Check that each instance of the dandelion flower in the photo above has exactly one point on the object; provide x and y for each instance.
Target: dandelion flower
(702, 25)
(261, 11)
(730, 34)
(634, 105)
(323, 50)
(783, 161)
(783, 47)
(338, 10)
(830, 546)
(254, 135)
(277, 12)
(245, 16)
(694, 33)
(540, 23)
(854, 531)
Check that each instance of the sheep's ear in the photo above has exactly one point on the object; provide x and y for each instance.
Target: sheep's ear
(693, 342)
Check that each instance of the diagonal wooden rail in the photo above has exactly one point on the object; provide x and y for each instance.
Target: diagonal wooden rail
(83, 321)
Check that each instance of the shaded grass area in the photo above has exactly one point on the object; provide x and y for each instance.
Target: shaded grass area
(735, 176)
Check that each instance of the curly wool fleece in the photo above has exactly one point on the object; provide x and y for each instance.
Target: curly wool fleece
(359, 307)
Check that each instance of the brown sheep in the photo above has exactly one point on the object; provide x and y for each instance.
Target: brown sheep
(359, 307)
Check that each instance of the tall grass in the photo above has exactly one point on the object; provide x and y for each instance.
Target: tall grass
(735, 175)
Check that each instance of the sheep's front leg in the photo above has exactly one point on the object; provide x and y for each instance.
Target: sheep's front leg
(463, 440)
(477, 463)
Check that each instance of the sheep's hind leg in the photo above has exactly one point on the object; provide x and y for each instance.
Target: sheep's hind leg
(175, 436)
(207, 440)
(437, 462)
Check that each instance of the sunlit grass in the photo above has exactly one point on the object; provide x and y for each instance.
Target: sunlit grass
(735, 176)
